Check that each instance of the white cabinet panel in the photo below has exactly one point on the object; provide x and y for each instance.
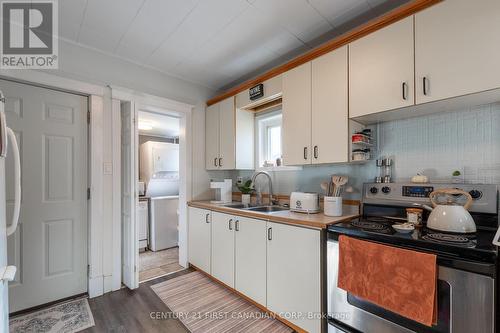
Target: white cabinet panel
(250, 253)
(381, 70)
(293, 273)
(457, 48)
(245, 131)
(297, 115)
(330, 108)
(223, 247)
(199, 238)
(227, 136)
(212, 137)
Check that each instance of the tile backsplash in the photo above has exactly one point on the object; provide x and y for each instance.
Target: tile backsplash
(467, 140)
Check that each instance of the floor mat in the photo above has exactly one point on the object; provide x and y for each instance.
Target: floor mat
(154, 264)
(69, 317)
(205, 306)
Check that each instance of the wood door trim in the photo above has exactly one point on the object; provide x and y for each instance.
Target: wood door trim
(346, 38)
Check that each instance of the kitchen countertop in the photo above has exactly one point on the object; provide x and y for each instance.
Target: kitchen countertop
(316, 221)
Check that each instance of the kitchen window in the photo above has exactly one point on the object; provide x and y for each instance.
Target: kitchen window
(268, 138)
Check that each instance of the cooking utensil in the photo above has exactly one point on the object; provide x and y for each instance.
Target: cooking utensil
(338, 181)
(450, 216)
(325, 186)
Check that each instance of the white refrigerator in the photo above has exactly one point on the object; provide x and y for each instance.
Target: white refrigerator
(7, 273)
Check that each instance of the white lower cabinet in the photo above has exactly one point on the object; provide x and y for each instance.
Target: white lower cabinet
(276, 265)
(223, 248)
(199, 230)
(294, 274)
(250, 263)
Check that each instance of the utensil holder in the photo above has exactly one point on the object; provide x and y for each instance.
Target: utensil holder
(245, 199)
(332, 206)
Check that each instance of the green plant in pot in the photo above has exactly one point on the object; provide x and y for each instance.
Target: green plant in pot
(456, 176)
(246, 190)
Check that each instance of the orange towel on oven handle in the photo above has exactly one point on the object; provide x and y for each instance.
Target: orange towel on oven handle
(402, 281)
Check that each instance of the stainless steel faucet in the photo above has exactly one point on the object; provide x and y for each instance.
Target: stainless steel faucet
(272, 201)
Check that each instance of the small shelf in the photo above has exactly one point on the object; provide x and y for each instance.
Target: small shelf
(363, 144)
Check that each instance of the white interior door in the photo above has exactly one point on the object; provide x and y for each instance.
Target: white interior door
(130, 176)
(49, 247)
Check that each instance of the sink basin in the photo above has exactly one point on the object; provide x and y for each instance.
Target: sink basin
(267, 209)
(236, 205)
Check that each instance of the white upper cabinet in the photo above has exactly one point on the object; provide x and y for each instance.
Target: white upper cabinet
(272, 90)
(212, 137)
(227, 131)
(330, 107)
(227, 145)
(296, 133)
(457, 49)
(381, 70)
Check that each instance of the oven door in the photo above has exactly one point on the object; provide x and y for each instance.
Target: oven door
(466, 303)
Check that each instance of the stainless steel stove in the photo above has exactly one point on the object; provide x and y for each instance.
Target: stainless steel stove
(467, 262)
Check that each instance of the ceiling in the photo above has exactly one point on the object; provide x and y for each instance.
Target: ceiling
(163, 126)
(210, 42)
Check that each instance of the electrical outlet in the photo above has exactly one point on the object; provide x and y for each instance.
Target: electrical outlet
(239, 180)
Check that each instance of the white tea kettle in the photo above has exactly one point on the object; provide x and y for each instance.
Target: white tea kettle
(450, 216)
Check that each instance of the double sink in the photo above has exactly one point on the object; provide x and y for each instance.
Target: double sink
(261, 209)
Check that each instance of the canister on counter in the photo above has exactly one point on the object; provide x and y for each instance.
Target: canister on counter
(414, 216)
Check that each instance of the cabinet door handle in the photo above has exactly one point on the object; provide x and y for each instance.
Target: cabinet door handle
(215, 162)
(270, 233)
(405, 89)
(206, 218)
(315, 151)
(230, 224)
(305, 153)
(424, 85)
(220, 161)
(237, 225)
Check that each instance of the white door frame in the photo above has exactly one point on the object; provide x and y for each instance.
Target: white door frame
(184, 111)
(97, 95)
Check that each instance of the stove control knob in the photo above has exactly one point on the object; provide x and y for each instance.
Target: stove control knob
(386, 189)
(476, 194)
(373, 190)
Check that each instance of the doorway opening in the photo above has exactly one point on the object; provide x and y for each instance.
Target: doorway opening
(158, 208)
(151, 183)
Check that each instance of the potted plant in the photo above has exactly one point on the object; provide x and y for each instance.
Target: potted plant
(246, 189)
(456, 177)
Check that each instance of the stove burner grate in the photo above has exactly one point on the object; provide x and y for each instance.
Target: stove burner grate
(367, 225)
(449, 239)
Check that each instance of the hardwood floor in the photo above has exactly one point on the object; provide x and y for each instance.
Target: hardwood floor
(128, 310)
(154, 264)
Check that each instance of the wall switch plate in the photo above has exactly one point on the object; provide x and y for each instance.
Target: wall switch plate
(108, 168)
